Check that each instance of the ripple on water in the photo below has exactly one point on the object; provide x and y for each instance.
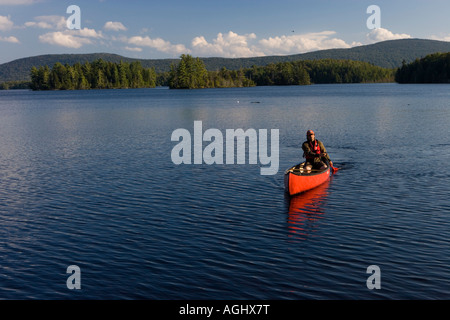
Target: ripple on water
(90, 182)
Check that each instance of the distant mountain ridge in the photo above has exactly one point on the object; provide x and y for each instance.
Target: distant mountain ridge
(387, 54)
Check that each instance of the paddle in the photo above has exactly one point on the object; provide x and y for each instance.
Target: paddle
(333, 169)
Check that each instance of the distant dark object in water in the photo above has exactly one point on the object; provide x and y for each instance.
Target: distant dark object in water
(255, 102)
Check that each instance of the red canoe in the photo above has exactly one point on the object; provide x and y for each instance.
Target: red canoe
(297, 180)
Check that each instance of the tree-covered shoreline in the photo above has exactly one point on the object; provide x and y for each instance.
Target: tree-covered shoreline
(433, 68)
(96, 75)
(10, 85)
(191, 73)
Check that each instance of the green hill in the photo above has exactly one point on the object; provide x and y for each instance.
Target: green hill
(387, 54)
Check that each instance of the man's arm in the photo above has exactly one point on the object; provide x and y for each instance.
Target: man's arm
(324, 151)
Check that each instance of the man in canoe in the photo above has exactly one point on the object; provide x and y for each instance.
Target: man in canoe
(314, 151)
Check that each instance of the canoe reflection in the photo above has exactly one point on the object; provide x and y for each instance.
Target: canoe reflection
(304, 211)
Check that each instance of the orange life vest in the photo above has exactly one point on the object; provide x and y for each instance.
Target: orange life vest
(314, 148)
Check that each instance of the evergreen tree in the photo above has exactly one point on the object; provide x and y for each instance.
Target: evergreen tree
(96, 75)
(433, 68)
(123, 70)
(189, 74)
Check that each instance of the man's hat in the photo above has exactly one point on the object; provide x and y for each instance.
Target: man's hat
(309, 132)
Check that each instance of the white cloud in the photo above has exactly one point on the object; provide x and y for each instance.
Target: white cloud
(233, 45)
(301, 43)
(10, 39)
(71, 38)
(5, 23)
(86, 32)
(441, 37)
(158, 44)
(356, 44)
(17, 2)
(381, 34)
(48, 22)
(230, 45)
(41, 24)
(64, 39)
(134, 49)
(114, 26)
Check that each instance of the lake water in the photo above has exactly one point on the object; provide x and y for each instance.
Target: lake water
(87, 179)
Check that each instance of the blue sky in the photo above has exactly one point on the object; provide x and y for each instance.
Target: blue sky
(244, 28)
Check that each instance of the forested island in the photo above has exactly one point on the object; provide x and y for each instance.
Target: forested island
(433, 68)
(96, 75)
(191, 73)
